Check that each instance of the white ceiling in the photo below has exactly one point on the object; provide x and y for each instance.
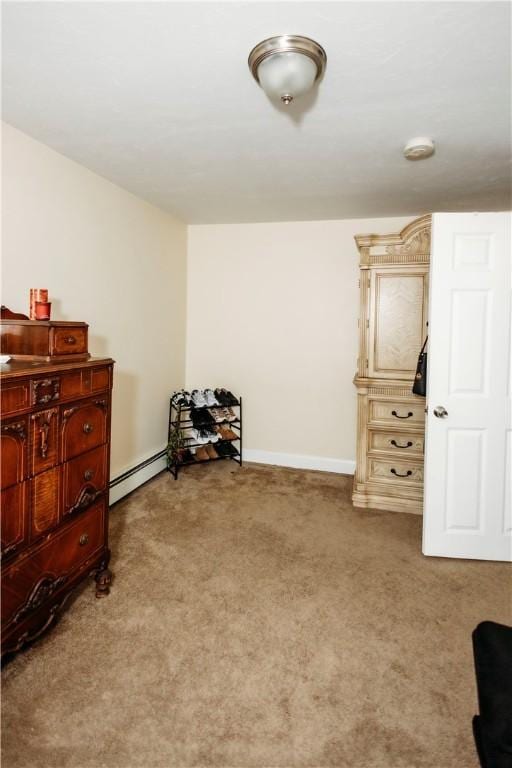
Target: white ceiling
(157, 97)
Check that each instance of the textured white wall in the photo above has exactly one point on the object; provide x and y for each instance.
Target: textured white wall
(272, 314)
(110, 259)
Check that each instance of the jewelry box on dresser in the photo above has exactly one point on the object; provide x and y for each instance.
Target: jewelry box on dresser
(55, 456)
(392, 328)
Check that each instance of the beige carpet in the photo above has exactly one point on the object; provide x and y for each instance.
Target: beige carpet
(258, 620)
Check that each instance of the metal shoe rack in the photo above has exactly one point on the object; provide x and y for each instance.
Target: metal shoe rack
(179, 418)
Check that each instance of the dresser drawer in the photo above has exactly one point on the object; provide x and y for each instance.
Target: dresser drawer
(31, 580)
(68, 340)
(84, 427)
(410, 443)
(13, 451)
(87, 381)
(408, 412)
(13, 516)
(398, 472)
(83, 479)
(14, 398)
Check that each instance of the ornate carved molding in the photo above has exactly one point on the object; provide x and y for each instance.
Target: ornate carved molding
(410, 246)
(44, 588)
(18, 428)
(43, 423)
(45, 390)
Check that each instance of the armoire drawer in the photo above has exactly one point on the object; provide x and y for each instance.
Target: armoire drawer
(84, 478)
(406, 412)
(28, 582)
(84, 427)
(398, 472)
(410, 443)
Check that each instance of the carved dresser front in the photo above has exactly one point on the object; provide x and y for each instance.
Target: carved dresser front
(393, 283)
(55, 454)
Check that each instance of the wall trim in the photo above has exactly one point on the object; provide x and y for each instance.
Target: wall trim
(128, 481)
(321, 463)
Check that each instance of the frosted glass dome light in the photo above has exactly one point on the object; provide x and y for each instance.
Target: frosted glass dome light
(287, 66)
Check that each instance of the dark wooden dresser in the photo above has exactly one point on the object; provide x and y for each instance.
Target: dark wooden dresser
(55, 455)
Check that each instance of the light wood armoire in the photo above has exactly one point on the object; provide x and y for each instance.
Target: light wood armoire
(392, 327)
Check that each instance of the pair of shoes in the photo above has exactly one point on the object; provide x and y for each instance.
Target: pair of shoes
(204, 436)
(181, 397)
(202, 398)
(225, 397)
(212, 453)
(201, 454)
(226, 449)
(223, 414)
(201, 417)
(226, 433)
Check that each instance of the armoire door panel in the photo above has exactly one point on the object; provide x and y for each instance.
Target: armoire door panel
(397, 321)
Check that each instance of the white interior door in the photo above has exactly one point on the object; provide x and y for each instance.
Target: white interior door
(468, 454)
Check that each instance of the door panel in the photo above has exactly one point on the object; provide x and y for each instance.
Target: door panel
(467, 506)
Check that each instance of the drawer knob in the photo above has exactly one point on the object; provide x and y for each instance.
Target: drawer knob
(70, 340)
(397, 474)
(399, 445)
(88, 474)
(88, 428)
(397, 416)
(83, 540)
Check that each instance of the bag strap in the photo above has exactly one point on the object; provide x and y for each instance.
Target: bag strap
(424, 345)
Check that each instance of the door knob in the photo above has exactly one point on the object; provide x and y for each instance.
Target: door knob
(441, 412)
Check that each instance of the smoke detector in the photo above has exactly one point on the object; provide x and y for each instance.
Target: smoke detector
(419, 148)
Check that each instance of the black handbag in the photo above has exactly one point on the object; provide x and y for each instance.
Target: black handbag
(420, 378)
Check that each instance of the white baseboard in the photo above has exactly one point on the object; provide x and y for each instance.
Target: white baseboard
(140, 474)
(321, 463)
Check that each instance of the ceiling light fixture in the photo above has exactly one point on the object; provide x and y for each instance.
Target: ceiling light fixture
(287, 66)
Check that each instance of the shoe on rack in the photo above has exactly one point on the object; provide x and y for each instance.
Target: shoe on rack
(210, 398)
(212, 453)
(201, 454)
(216, 414)
(201, 417)
(230, 449)
(213, 436)
(226, 433)
(231, 415)
(198, 398)
(220, 394)
(181, 397)
(232, 399)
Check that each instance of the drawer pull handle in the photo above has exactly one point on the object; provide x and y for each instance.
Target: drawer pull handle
(88, 474)
(397, 474)
(70, 340)
(395, 414)
(83, 540)
(399, 445)
(87, 428)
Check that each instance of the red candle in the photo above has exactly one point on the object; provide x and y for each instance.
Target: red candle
(43, 309)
